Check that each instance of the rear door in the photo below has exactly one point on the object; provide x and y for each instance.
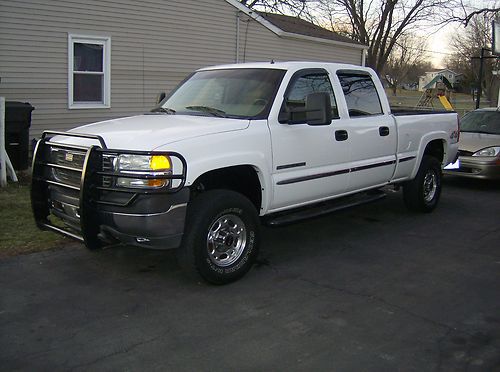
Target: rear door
(372, 133)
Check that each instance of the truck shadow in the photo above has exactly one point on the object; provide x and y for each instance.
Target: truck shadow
(364, 233)
(333, 234)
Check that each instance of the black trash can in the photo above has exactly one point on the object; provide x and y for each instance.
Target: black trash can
(17, 132)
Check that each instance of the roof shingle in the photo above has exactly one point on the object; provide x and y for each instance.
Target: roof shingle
(299, 26)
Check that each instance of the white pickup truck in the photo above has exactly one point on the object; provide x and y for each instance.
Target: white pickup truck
(231, 147)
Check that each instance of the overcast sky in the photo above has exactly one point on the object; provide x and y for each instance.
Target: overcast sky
(438, 44)
(439, 40)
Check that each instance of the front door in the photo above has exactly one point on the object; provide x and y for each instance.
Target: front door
(310, 163)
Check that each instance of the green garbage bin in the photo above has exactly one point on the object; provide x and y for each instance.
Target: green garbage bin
(17, 128)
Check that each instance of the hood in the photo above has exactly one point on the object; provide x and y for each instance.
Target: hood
(150, 131)
(477, 141)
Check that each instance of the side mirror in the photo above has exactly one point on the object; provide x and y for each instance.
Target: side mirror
(161, 97)
(318, 109)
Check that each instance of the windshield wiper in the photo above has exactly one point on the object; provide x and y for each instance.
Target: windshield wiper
(164, 109)
(211, 110)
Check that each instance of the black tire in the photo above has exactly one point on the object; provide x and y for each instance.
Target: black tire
(422, 193)
(221, 240)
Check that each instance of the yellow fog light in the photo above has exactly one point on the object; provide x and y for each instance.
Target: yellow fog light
(159, 162)
(139, 183)
(156, 183)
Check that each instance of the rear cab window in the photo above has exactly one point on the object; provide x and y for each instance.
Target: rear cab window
(360, 93)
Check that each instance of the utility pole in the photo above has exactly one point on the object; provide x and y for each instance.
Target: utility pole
(481, 68)
(480, 83)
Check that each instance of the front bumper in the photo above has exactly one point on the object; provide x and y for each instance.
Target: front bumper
(74, 193)
(161, 230)
(477, 167)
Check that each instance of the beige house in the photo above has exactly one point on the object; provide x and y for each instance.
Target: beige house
(80, 62)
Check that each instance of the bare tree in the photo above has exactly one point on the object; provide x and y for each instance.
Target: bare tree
(467, 44)
(381, 24)
(468, 9)
(407, 55)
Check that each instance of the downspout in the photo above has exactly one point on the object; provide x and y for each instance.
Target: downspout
(363, 57)
(238, 36)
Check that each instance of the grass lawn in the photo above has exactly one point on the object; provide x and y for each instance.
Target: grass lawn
(18, 232)
(462, 103)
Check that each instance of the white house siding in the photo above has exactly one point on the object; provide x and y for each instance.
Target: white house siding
(154, 45)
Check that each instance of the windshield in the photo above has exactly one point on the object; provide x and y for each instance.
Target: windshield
(235, 93)
(481, 122)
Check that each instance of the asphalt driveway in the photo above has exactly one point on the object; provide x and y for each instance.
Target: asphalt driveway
(375, 288)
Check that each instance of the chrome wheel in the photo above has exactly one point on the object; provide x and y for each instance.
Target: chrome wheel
(226, 240)
(430, 186)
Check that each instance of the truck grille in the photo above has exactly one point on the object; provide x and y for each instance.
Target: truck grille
(70, 159)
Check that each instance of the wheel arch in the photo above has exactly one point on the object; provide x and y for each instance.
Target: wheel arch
(244, 179)
(434, 146)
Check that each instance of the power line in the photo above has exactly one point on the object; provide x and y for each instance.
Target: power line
(435, 52)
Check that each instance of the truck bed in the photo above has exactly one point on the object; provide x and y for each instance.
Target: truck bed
(401, 111)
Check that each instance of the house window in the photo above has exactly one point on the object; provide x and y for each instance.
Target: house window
(89, 71)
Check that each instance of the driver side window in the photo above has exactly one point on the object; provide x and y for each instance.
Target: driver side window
(300, 87)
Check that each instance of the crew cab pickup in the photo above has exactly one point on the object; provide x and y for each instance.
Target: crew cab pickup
(234, 146)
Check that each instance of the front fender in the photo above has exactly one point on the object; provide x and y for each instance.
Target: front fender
(251, 146)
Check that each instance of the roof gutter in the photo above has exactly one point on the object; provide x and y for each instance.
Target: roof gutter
(290, 35)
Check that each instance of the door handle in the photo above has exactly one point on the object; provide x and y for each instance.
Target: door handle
(341, 135)
(383, 131)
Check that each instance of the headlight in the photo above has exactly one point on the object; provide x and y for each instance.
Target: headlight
(147, 165)
(489, 151)
(143, 162)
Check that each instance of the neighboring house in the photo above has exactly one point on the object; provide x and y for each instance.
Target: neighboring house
(82, 61)
(430, 79)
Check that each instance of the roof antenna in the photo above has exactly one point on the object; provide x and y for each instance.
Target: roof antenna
(272, 61)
